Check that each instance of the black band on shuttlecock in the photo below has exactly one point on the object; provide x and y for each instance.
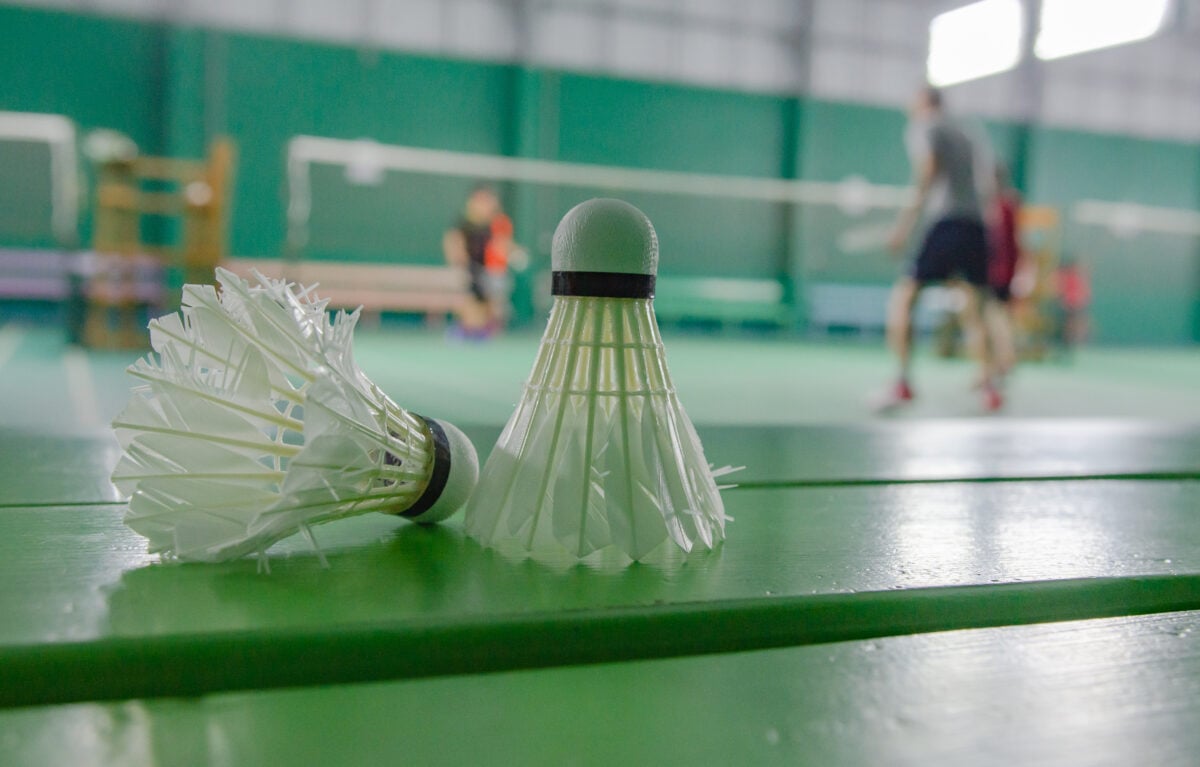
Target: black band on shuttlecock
(441, 470)
(603, 284)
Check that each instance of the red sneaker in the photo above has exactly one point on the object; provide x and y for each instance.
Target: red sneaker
(899, 394)
(992, 399)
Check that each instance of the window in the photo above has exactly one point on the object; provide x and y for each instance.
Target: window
(1075, 26)
(975, 40)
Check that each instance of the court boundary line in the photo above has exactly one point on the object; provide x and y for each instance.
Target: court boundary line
(18, 505)
(81, 389)
(802, 484)
(1144, 476)
(195, 664)
(11, 338)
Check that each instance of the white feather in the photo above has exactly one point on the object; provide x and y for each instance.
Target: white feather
(599, 452)
(252, 421)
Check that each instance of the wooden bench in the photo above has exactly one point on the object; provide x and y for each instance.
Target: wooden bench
(434, 291)
(34, 274)
(863, 307)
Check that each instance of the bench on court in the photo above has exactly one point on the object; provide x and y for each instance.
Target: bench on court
(434, 291)
(863, 307)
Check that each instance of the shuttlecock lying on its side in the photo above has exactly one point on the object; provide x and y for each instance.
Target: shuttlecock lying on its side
(254, 422)
(599, 451)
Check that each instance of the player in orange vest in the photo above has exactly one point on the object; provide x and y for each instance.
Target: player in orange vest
(481, 242)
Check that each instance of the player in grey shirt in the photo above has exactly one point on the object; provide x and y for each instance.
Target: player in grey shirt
(948, 207)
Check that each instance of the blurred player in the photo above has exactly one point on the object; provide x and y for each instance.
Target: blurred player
(1005, 254)
(1073, 293)
(481, 242)
(953, 246)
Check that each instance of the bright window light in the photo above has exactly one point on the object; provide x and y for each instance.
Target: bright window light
(973, 41)
(1075, 26)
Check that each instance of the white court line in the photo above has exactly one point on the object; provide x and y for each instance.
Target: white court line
(81, 389)
(10, 341)
(1131, 217)
(304, 151)
(848, 193)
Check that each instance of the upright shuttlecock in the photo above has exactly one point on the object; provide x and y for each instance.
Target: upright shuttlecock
(254, 422)
(599, 451)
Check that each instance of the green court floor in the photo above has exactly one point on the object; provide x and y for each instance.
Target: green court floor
(937, 587)
(732, 380)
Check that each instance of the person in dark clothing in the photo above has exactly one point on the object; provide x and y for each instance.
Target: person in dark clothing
(480, 243)
(1003, 265)
(1073, 293)
(949, 212)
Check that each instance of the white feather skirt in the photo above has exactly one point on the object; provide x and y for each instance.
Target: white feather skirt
(599, 452)
(253, 422)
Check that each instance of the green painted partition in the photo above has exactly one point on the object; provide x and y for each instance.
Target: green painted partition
(839, 142)
(1144, 283)
(670, 127)
(173, 89)
(606, 121)
(279, 88)
(100, 72)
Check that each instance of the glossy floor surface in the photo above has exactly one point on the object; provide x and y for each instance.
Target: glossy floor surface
(935, 588)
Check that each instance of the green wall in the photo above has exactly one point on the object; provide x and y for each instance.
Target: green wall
(173, 89)
(99, 72)
(274, 89)
(1144, 285)
(672, 127)
(840, 141)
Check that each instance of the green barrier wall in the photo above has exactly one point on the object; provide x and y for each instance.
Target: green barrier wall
(99, 72)
(172, 89)
(1143, 284)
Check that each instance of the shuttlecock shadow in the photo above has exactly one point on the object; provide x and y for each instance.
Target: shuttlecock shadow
(393, 571)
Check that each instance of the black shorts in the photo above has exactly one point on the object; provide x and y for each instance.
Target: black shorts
(953, 247)
(475, 270)
(1002, 293)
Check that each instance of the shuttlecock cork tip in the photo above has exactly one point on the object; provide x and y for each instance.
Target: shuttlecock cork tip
(605, 236)
(459, 468)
